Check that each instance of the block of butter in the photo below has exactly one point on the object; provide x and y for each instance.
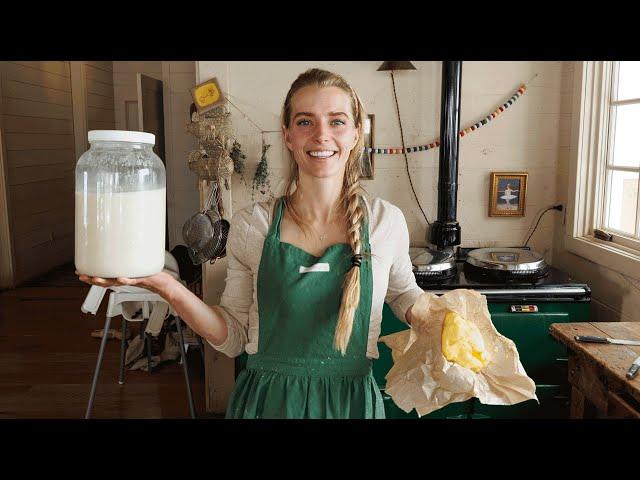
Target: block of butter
(451, 353)
(462, 343)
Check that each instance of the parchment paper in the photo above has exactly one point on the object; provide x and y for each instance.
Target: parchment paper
(422, 378)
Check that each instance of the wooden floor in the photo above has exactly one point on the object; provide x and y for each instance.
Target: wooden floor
(47, 359)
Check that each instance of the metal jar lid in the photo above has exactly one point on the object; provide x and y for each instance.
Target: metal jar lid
(428, 260)
(504, 258)
(121, 136)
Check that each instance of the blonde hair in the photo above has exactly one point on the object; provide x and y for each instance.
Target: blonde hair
(350, 197)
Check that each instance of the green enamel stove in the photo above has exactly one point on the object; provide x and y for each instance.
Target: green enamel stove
(522, 308)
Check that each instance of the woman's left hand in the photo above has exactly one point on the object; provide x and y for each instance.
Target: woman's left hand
(159, 283)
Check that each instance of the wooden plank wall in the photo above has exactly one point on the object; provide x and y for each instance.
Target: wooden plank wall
(99, 87)
(38, 132)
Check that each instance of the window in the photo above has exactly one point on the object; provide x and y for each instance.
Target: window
(604, 200)
(620, 212)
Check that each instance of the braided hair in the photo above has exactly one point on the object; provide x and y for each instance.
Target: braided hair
(351, 198)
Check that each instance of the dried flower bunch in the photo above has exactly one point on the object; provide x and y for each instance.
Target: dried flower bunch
(261, 180)
(212, 160)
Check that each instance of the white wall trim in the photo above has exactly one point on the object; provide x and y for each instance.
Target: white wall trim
(169, 154)
(7, 268)
(219, 369)
(586, 192)
(214, 275)
(606, 255)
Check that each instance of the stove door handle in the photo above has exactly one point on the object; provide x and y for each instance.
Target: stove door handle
(591, 339)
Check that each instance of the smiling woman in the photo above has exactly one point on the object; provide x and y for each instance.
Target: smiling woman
(309, 272)
(323, 129)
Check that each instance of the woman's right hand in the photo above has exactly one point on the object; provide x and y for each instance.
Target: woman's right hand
(206, 321)
(159, 283)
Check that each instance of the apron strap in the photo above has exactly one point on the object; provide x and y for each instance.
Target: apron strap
(274, 228)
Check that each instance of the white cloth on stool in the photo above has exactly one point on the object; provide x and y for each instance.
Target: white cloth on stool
(135, 351)
(159, 311)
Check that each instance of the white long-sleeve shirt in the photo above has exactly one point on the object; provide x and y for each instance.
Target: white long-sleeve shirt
(393, 279)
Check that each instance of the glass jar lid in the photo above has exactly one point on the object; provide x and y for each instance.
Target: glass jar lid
(121, 136)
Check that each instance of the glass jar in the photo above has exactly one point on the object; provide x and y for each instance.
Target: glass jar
(120, 202)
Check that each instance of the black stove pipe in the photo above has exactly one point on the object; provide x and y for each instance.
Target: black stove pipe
(445, 231)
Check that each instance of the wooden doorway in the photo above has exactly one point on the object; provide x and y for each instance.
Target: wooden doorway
(151, 120)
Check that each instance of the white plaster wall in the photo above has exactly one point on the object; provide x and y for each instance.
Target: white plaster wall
(531, 136)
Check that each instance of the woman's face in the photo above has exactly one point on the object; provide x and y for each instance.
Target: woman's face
(321, 131)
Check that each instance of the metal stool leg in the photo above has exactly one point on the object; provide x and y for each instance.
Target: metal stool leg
(123, 350)
(185, 368)
(147, 340)
(94, 383)
(201, 347)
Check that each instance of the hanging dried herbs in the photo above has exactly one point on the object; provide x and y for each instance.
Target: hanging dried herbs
(261, 178)
(238, 158)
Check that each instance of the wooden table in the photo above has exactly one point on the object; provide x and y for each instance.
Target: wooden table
(597, 371)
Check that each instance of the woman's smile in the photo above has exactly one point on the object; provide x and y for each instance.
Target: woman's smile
(322, 156)
(321, 153)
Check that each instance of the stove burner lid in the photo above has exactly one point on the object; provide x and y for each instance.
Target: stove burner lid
(508, 260)
(428, 260)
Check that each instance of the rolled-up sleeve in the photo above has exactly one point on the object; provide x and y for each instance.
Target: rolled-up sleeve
(403, 291)
(237, 297)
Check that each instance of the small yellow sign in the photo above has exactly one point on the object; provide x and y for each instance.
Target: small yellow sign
(207, 95)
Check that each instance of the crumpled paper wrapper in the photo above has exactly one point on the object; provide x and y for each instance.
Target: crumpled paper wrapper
(422, 378)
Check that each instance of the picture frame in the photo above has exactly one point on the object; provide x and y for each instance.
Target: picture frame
(508, 194)
(207, 95)
(367, 160)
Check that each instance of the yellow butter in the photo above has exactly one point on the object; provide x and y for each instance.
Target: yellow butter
(462, 343)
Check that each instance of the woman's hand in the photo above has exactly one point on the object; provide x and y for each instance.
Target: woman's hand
(159, 283)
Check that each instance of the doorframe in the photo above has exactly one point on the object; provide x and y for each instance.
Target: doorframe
(7, 254)
(167, 105)
(140, 78)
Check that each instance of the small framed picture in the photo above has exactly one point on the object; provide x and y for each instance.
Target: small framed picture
(367, 155)
(207, 95)
(508, 194)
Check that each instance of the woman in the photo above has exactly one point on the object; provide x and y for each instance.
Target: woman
(308, 273)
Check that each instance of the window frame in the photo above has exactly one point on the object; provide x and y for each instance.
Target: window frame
(619, 237)
(588, 169)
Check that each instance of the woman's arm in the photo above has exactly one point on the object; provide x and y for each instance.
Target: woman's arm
(206, 321)
(403, 291)
(224, 326)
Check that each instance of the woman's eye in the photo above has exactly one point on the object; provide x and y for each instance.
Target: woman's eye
(303, 122)
(338, 122)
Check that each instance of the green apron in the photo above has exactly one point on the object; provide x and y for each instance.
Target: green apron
(297, 372)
